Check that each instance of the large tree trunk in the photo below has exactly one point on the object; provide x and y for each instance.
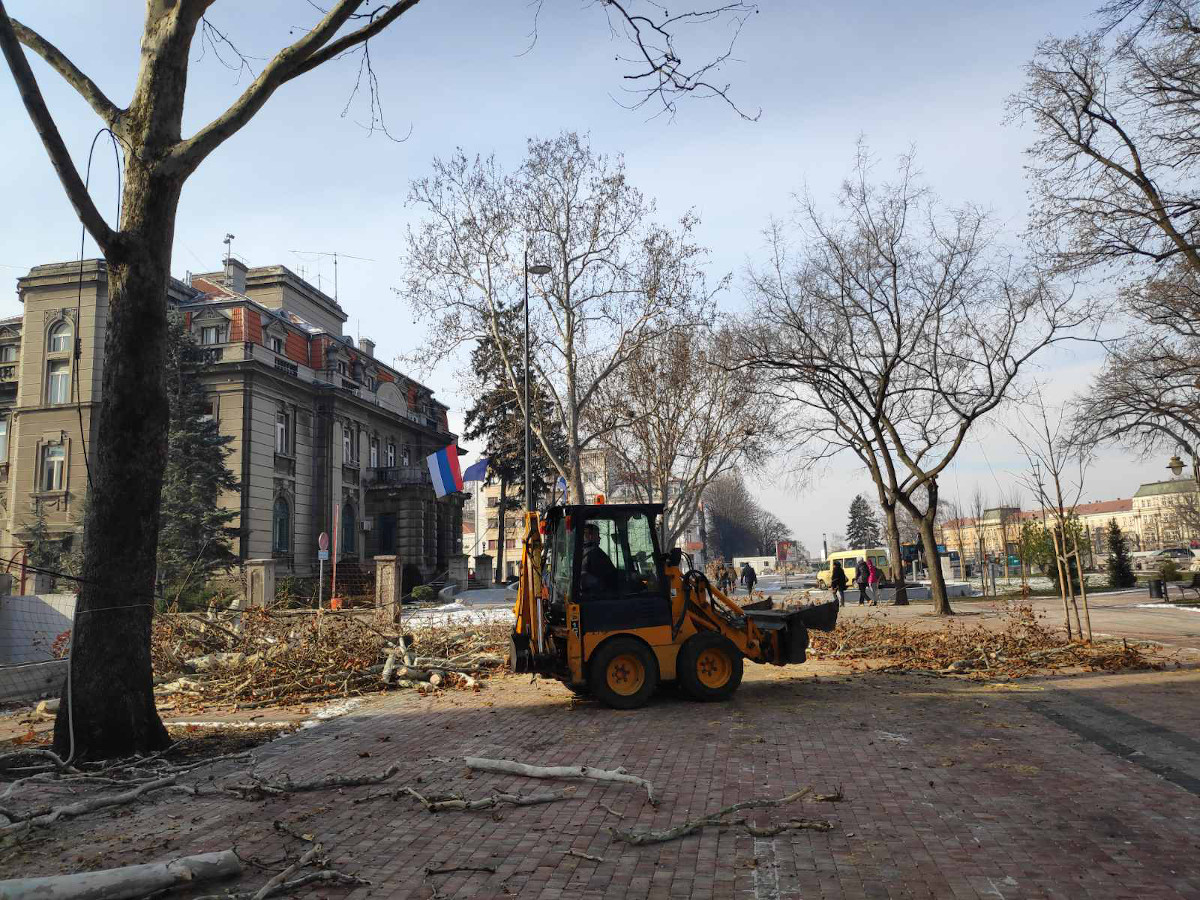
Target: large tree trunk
(937, 580)
(111, 699)
(893, 529)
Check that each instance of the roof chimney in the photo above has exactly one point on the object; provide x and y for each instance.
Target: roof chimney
(235, 274)
(367, 346)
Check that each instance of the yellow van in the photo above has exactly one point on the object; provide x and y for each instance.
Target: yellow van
(849, 559)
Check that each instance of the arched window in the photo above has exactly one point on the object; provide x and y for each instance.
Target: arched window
(281, 526)
(348, 529)
(60, 338)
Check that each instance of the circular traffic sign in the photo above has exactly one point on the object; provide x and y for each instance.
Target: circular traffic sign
(323, 541)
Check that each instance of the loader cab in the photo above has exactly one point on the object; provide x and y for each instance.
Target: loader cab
(606, 559)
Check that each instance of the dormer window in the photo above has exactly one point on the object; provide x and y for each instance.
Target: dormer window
(212, 334)
(8, 353)
(343, 369)
(60, 338)
(277, 345)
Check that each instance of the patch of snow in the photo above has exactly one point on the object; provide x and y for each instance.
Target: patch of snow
(332, 710)
(465, 616)
(890, 736)
(1195, 609)
(451, 607)
(231, 725)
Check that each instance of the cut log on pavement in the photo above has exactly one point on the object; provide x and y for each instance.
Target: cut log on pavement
(131, 881)
(508, 767)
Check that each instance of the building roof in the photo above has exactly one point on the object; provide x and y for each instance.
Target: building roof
(1170, 486)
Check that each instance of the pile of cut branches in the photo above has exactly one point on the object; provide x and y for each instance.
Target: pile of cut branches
(262, 658)
(1021, 646)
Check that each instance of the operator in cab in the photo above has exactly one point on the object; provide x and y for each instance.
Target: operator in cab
(597, 574)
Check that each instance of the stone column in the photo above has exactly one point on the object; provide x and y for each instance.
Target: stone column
(259, 582)
(457, 564)
(387, 588)
(485, 572)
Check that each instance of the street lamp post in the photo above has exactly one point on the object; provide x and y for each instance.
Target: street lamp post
(527, 270)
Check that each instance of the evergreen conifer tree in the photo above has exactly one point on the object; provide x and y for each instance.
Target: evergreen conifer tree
(43, 549)
(496, 419)
(862, 529)
(195, 533)
(1120, 568)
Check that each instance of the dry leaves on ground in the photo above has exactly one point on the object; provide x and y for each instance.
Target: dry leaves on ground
(1022, 646)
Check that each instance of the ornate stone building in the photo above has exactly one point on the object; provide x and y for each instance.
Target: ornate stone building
(321, 428)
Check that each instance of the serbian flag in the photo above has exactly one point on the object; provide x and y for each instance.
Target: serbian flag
(443, 469)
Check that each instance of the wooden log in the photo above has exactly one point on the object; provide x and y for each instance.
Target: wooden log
(508, 767)
(494, 800)
(127, 882)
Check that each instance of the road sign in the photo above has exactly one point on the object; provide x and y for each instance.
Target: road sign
(322, 555)
(323, 544)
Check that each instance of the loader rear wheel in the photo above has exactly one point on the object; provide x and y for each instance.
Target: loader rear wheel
(709, 667)
(624, 674)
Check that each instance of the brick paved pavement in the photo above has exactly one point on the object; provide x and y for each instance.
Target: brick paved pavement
(952, 789)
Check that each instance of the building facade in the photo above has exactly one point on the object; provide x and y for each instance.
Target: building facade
(1160, 514)
(325, 437)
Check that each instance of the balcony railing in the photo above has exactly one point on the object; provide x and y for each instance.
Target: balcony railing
(8, 372)
(397, 475)
(212, 354)
(284, 366)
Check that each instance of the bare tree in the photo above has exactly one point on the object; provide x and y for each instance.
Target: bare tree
(617, 282)
(1114, 171)
(690, 422)
(1058, 466)
(899, 325)
(112, 700)
(1118, 151)
(978, 508)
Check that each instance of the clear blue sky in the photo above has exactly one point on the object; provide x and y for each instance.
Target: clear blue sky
(933, 75)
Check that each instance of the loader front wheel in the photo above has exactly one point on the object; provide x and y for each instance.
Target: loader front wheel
(709, 667)
(624, 674)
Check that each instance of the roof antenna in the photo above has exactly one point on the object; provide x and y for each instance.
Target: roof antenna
(228, 245)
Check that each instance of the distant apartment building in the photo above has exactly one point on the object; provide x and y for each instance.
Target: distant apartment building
(320, 427)
(1160, 514)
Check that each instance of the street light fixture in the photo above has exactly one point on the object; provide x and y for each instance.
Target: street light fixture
(1176, 465)
(535, 269)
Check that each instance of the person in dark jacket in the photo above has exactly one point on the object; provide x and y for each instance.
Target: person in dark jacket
(837, 581)
(861, 576)
(596, 571)
(749, 577)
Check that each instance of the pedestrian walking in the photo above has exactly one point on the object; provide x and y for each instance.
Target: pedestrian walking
(726, 580)
(861, 574)
(837, 581)
(749, 577)
(873, 582)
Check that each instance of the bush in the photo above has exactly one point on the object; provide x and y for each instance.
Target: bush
(423, 593)
(1169, 570)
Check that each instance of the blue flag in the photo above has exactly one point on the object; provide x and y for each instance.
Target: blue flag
(478, 471)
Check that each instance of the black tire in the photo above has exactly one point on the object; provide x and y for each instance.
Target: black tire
(709, 667)
(623, 673)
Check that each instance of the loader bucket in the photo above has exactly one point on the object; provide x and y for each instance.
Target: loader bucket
(794, 625)
(822, 617)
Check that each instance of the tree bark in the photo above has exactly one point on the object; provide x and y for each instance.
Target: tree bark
(937, 580)
(889, 512)
(111, 700)
(1063, 581)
